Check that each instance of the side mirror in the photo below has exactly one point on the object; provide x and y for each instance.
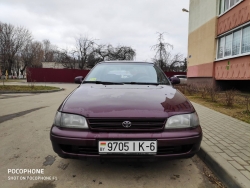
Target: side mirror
(78, 79)
(175, 80)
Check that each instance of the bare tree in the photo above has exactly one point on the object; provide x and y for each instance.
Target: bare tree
(32, 55)
(50, 51)
(164, 57)
(38, 54)
(87, 53)
(103, 52)
(179, 66)
(108, 52)
(67, 59)
(177, 63)
(162, 54)
(12, 41)
(2, 57)
(84, 48)
(123, 53)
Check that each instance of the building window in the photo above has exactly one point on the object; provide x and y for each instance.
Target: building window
(228, 45)
(235, 43)
(221, 47)
(245, 40)
(225, 5)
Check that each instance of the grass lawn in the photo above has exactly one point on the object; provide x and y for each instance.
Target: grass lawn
(25, 88)
(12, 80)
(237, 111)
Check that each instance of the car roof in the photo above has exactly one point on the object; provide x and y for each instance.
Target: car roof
(125, 61)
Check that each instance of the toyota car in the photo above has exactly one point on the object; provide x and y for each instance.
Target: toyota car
(126, 109)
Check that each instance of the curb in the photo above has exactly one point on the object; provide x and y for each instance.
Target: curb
(229, 175)
(41, 91)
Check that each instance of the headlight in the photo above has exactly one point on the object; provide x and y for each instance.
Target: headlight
(182, 121)
(70, 121)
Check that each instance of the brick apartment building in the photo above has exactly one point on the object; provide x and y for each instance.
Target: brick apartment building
(219, 43)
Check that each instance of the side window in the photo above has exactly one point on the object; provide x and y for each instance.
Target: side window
(161, 78)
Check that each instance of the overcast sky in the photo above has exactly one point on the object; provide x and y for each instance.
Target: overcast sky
(134, 23)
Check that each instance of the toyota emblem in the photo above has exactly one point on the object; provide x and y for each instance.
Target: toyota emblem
(126, 124)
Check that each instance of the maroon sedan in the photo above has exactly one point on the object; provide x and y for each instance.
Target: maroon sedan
(126, 110)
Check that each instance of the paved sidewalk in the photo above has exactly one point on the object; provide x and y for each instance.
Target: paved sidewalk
(225, 146)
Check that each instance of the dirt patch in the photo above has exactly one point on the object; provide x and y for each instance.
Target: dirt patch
(207, 174)
(63, 165)
(49, 160)
(26, 88)
(43, 185)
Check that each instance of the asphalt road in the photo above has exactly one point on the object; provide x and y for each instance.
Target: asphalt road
(25, 121)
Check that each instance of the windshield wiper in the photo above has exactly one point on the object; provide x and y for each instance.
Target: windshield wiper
(142, 83)
(103, 82)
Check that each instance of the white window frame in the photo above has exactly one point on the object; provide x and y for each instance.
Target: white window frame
(229, 44)
(240, 41)
(229, 8)
(228, 33)
(223, 50)
(242, 38)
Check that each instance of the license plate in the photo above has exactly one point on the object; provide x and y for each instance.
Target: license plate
(127, 147)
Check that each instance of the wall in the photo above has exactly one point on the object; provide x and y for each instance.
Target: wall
(201, 12)
(203, 70)
(53, 75)
(54, 65)
(202, 37)
(233, 69)
(64, 75)
(235, 17)
(201, 81)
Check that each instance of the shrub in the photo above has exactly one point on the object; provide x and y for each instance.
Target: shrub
(181, 88)
(191, 89)
(230, 97)
(203, 89)
(247, 100)
(213, 93)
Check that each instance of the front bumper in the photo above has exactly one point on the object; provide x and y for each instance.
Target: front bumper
(172, 144)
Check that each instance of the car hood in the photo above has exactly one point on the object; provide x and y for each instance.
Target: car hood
(97, 100)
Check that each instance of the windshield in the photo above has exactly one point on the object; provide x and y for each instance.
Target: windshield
(127, 73)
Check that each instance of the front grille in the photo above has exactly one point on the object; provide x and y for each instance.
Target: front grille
(93, 150)
(136, 124)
